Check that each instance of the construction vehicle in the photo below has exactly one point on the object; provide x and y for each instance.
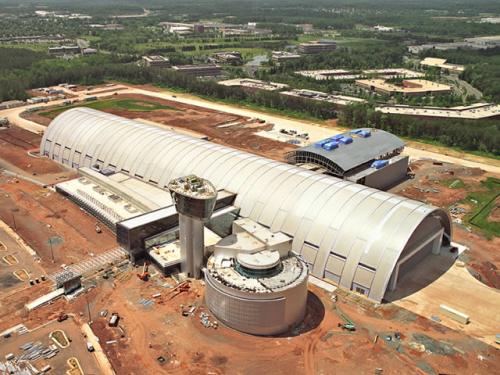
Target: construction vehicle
(98, 228)
(348, 324)
(62, 317)
(180, 288)
(113, 321)
(144, 276)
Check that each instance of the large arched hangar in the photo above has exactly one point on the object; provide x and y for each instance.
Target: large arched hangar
(362, 238)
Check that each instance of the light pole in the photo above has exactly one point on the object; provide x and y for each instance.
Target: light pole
(88, 309)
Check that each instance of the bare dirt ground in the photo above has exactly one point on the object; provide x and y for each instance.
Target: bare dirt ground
(24, 262)
(43, 217)
(317, 346)
(204, 121)
(430, 186)
(15, 143)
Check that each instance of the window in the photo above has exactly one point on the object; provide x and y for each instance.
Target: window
(311, 244)
(367, 267)
(337, 255)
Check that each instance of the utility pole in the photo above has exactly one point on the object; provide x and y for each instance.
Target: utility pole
(14, 221)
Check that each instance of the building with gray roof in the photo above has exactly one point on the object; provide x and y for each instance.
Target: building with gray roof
(367, 156)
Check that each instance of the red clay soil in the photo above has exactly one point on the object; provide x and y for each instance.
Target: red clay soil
(318, 346)
(36, 117)
(40, 214)
(483, 258)
(203, 121)
(14, 146)
(206, 121)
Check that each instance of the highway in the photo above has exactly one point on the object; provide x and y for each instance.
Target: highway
(316, 131)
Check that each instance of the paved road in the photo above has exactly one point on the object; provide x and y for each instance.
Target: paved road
(316, 131)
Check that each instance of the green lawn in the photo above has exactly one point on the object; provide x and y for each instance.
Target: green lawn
(131, 105)
(453, 183)
(484, 202)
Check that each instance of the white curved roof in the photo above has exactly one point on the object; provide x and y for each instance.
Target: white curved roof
(338, 221)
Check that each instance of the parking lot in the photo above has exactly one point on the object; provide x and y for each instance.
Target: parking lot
(59, 363)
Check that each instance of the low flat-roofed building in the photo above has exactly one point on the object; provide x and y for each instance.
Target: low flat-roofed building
(324, 74)
(201, 70)
(317, 46)
(485, 41)
(113, 197)
(383, 29)
(475, 111)
(156, 61)
(442, 64)
(390, 73)
(410, 87)
(490, 20)
(11, 104)
(230, 57)
(343, 74)
(64, 50)
(253, 84)
(340, 100)
(282, 56)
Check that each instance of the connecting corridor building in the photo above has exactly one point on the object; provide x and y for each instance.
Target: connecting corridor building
(359, 237)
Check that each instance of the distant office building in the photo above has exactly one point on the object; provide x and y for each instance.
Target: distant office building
(232, 57)
(202, 70)
(442, 64)
(317, 46)
(282, 56)
(475, 111)
(89, 51)
(156, 61)
(383, 29)
(483, 42)
(342, 74)
(410, 87)
(64, 50)
(339, 100)
(248, 84)
(198, 28)
(306, 27)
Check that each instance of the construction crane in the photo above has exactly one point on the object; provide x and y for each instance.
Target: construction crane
(144, 276)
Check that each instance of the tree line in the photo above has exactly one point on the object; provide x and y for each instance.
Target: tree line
(471, 135)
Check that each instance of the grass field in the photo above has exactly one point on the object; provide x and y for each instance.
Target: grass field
(454, 183)
(131, 105)
(484, 202)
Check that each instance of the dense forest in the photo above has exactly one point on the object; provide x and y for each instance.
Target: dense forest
(469, 135)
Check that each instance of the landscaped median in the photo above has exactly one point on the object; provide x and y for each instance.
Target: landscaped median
(60, 338)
